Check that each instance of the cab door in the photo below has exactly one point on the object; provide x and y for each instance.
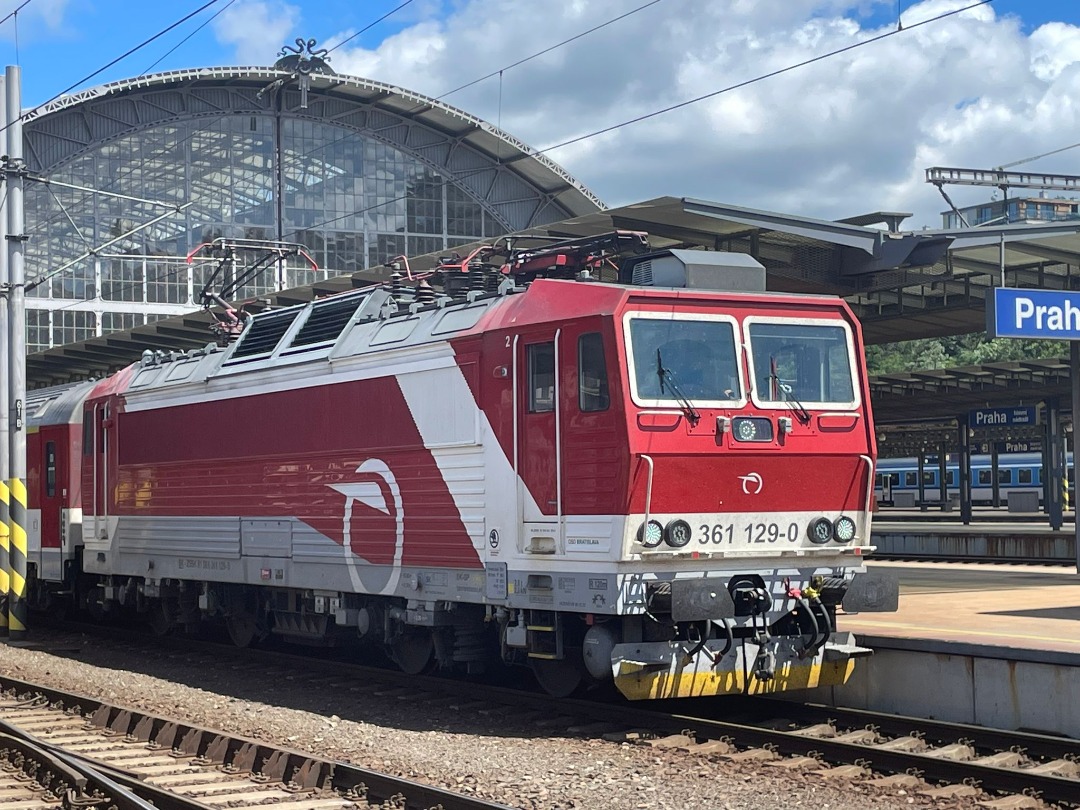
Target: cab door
(98, 453)
(52, 504)
(538, 437)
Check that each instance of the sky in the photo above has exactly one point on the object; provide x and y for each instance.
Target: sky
(845, 135)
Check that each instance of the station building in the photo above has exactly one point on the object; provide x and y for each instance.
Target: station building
(356, 171)
(1014, 210)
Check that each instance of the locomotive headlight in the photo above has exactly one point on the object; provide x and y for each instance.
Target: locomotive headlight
(844, 529)
(820, 530)
(752, 429)
(651, 534)
(677, 533)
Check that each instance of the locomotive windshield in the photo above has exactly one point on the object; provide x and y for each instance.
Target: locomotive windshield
(697, 355)
(802, 363)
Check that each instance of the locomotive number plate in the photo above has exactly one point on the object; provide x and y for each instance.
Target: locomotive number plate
(748, 533)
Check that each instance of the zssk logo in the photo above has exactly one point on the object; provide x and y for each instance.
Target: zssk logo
(373, 528)
(751, 483)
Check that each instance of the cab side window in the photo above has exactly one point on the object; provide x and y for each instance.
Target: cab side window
(50, 469)
(592, 374)
(541, 376)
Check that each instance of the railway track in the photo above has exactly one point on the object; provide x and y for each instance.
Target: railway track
(69, 751)
(888, 749)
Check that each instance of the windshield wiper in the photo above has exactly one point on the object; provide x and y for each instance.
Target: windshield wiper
(666, 375)
(797, 407)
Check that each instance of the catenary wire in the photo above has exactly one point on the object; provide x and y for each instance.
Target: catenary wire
(15, 11)
(369, 26)
(763, 77)
(115, 61)
(549, 49)
(1037, 157)
(175, 47)
(655, 113)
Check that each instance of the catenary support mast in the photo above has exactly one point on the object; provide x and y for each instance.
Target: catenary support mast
(5, 438)
(17, 603)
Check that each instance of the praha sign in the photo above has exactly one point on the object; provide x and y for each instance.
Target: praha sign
(1002, 417)
(1020, 313)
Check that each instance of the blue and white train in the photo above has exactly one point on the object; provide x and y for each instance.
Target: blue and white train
(1017, 472)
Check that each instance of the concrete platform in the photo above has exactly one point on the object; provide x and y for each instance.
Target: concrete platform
(992, 645)
(1017, 609)
(986, 540)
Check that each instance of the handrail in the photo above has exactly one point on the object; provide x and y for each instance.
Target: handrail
(869, 481)
(648, 492)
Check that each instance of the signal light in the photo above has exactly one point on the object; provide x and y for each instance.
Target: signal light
(677, 533)
(844, 529)
(820, 530)
(651, 534)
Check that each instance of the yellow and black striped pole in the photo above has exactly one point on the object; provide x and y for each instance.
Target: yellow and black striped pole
(5, 563)
(17, 555)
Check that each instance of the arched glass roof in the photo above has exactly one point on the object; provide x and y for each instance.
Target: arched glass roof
(360, 173)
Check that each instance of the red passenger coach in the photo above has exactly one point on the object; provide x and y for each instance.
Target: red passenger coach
(585, 457)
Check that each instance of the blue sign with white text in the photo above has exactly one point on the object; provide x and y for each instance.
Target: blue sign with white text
(1002, 417)
(1020, 313)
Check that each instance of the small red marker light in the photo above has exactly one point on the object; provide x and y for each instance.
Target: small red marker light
(694, 555)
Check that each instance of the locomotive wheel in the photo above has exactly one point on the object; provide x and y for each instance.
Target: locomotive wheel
(95, 603)
(242, 618)
(242, 628)
(559, 678)
(412, 651)
(158, 618)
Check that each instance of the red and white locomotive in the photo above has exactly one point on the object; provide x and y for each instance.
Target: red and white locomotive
(647, 470)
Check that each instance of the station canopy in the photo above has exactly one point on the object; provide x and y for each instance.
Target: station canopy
(901, 284)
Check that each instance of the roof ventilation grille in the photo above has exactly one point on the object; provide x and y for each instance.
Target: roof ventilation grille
(264, 333)
(643, 274)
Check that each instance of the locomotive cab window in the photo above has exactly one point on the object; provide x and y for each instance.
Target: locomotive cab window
(685, 358)
(802, 363)
(541, 376)
(592, 374)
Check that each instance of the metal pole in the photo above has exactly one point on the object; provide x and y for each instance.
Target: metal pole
(17, 369)
(1074, 370)
(5, 395)
(943, 478)
(964, 468)
(922, 486)
(994, 473)
(1052, 466)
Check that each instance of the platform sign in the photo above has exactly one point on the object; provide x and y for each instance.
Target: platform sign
(1009, 446)
(1020, 313)
(1002, 417)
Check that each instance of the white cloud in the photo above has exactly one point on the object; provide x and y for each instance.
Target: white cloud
(257, 29)
(838, 137)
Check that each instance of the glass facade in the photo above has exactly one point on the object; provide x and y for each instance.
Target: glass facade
(351, 200)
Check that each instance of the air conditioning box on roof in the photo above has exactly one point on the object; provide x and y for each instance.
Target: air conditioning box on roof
(697, 269)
